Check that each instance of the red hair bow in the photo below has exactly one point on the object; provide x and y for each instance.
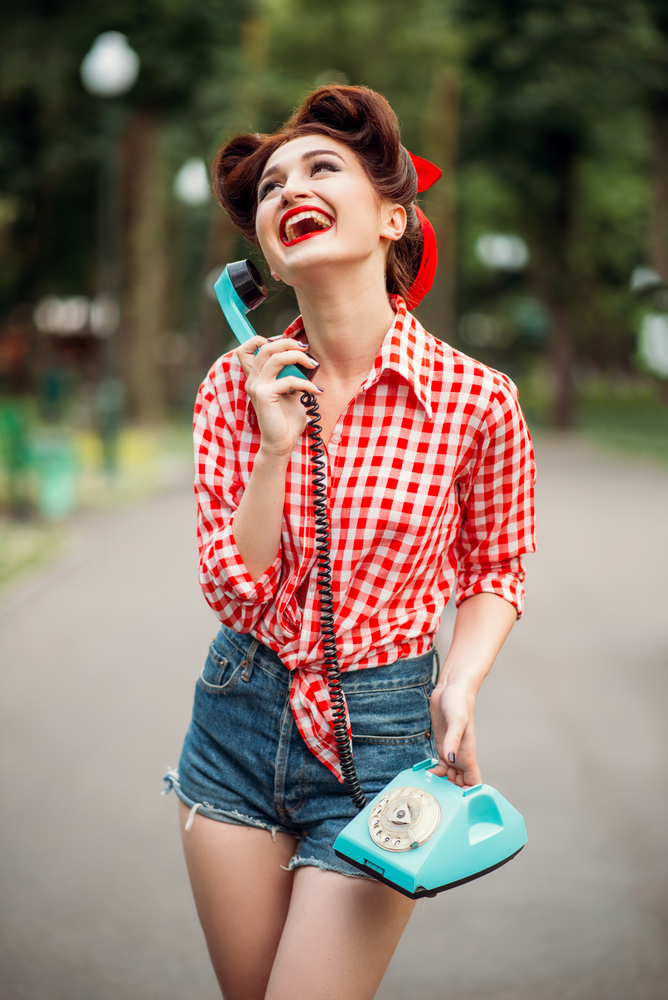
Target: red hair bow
(427, 174)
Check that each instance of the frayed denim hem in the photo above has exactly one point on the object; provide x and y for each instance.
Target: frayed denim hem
(234, 817)
(297, 862)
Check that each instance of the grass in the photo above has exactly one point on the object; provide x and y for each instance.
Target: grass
(637, 430)
(625, 415)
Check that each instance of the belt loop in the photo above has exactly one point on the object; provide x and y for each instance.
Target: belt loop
(437, 665)
(248, 660)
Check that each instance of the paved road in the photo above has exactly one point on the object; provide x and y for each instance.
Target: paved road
(98, 658)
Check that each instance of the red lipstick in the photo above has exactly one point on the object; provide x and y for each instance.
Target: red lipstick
(302, 222)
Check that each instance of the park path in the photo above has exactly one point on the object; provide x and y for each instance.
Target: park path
(98, 657)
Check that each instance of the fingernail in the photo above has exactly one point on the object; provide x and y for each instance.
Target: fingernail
(319, 388)
(451, 757)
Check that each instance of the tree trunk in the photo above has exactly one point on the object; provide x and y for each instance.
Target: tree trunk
(658, 231)
(563, 411)
(441, 134)
(145, 269)
(551, 226)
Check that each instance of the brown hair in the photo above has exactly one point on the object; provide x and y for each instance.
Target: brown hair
(361, 119)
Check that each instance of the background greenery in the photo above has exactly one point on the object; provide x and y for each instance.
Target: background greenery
(549, 119)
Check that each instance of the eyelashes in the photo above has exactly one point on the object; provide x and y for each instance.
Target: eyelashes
(316, 167)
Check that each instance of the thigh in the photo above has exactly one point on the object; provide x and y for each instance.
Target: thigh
(339, 936)
(242, 896)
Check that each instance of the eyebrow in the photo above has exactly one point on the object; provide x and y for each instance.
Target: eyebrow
(305, 156)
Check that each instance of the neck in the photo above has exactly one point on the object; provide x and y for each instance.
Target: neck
(345, 320)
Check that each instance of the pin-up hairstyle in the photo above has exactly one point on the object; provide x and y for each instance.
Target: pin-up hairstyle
(361, 119)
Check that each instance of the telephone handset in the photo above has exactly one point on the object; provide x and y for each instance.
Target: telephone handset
(421, 834)
(239, 289)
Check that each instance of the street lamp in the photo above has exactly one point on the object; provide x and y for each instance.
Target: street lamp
(111, 67)
(108, 71)
(191, 184)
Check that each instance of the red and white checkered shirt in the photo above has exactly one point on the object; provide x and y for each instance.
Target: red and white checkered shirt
(430, 487)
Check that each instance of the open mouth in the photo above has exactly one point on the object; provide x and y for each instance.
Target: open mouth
(301, 223)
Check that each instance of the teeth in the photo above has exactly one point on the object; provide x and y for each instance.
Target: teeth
(323, 220)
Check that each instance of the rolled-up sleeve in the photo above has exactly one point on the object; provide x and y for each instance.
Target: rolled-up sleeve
(225, 581)
(497, 503)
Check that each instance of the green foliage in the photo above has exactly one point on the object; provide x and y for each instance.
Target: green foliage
(554, 143)
(48, 124)
(555, 148)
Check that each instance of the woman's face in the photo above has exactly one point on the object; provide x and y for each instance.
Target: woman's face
(317, 208)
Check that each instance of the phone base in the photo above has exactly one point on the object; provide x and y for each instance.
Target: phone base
(422, 834)
(421, 892)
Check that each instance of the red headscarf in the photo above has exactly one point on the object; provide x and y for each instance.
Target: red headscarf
(428, 174)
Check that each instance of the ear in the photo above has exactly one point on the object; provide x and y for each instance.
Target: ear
(393, 222)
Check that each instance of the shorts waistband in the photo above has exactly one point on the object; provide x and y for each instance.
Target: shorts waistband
(392, 676)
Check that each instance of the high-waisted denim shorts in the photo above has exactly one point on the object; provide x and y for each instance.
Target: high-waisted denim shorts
(245, 762)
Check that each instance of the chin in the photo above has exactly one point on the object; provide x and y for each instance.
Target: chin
(314, 258)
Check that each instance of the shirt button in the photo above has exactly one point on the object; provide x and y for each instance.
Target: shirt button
(311, 588)
(335, 439)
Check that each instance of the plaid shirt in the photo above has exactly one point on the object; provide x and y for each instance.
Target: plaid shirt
(430, 488)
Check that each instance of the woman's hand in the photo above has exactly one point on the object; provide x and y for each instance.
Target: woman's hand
(277, 402)
(482, 624)
(454, 734)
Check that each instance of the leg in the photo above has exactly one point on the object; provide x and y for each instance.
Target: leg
(339, 937)
(242, 897)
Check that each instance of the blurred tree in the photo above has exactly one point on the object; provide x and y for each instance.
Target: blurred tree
(411, 54)
(545, 81)
(189, 67)
(656, 95)
(553, 96)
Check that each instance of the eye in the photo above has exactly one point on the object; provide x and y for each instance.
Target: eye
(321, 165)
(265, 189)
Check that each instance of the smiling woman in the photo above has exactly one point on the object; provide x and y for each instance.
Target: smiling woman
(365, 123)
(429, 483)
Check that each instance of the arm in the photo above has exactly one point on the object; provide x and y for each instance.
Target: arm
(497, 527)
(482, 624)
(237, 595)
(282, 419)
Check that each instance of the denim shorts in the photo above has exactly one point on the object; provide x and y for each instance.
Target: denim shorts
(245, 762)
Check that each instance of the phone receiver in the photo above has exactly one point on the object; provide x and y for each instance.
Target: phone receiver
(422, 834)
(239, 289)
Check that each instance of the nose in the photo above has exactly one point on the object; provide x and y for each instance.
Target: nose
(293, 190)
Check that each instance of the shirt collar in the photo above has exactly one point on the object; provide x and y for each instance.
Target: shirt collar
(406, 350)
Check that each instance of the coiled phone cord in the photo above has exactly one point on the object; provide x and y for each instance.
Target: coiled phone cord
(343, 747)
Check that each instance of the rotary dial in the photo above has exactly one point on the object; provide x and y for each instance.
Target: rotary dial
(403, 819)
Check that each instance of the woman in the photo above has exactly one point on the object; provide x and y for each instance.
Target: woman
(430, 476)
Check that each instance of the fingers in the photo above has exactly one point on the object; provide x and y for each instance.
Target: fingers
(293, 384)
(246, 352)
(272, 357)
(454, 735)
(269, 366)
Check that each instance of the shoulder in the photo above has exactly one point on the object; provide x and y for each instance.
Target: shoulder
(462, 382)
(222, 395)
(225, 382)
